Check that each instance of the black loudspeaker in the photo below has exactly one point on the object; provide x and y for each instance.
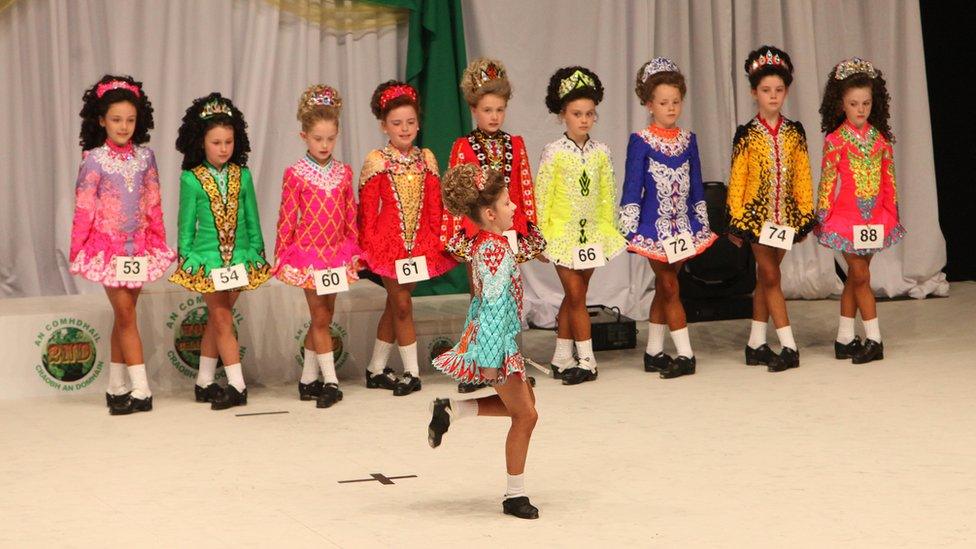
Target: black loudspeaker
(718, 284)
(610, 329)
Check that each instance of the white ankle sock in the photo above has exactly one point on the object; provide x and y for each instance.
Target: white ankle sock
(464, 408)
(845, 330)
(310, 368)
(327, 365)
(408, 354)
(140, 385)
(682, 342)
(584, 349)
(872, 330)
(785, 335)
(235, 376)
(516, 486)
(208, 368)
(757, 335)
(563, 355)
(381, 354)
(117, 384)
(655, 338)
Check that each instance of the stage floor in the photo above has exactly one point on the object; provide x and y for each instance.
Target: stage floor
(829, 454)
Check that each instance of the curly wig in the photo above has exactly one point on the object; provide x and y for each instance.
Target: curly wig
(205, 113)
(381, 109)
(485, 76)
(94, 108)
(461, 193)
(319, 102)
(832, 107)
(645, 88)
(571, 83)
(756, 69)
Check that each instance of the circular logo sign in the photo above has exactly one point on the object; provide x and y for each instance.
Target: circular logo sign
(69, 356)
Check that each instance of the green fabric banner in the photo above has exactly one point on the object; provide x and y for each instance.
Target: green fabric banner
(436, 58)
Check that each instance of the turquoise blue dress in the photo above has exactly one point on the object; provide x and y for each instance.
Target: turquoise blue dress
(487, 352)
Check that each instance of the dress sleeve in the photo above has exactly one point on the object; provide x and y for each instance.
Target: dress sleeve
(86, 195)
(545, 185)
(696, 193)
(739, 175)
(349, 201)
(497, 317)
(607, 189)
(187, 229)
(802, 180)
(888, 186)
(433, 206)
(633, 192)
(369, 208)
(251, 216)
(526, 191)
(287, 213)
(156, 230)
(828, 179)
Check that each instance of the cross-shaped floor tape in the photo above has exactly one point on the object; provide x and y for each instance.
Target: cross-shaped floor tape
(380, 477)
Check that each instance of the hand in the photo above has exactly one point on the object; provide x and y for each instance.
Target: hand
(542, 258)
(735, 240)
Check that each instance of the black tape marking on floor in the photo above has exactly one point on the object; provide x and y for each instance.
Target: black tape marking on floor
(262, 413)
(379, 477)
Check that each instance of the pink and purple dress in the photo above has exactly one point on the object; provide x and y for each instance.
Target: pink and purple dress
(316, 222)
(118, 213)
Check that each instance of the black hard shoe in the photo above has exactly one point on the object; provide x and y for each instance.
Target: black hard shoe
(385, 380)
(111, 399)
(208, 393)
(577, 375)
(557, 372)
(850, 350)
(228, 398)
(531, 381)
(682, 366)
(465, 388)
(406, 385)
(130, 405)
(440, 421)
(657, 363)
(329, 395)
(787, 358)
(762, 355)
(871, 351)
(310, 391)
(520, 507)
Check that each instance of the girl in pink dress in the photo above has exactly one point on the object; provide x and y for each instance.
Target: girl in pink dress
(857, 212)
(117, 236)
(317, 232)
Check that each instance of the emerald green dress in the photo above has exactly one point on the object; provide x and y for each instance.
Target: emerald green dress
(218, 227)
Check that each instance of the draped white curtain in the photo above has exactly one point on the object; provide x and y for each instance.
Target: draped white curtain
(262, 57)
(709, 40)
(249, 50)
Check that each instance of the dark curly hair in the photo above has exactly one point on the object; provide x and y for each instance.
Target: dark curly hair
(460, 193)
(766, 70)
(556, 104)
(645, 88)
(94, 108)
(832, 107)
(189, 140)
(380, 112)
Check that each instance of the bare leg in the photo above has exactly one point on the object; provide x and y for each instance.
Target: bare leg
(398, 296)
(575, 285)
(666, 292)
(768, 260)
(126, 343)
(220, 319)
(321, 309)
(859, 280)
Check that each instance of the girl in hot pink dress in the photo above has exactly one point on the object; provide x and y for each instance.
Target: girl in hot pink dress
(857, 212)
(117, 236)
(317, 231)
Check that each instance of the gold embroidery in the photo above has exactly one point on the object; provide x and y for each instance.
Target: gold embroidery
(224, 210)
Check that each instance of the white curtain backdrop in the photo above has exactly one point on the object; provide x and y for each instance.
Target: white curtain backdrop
(709, 40)
(249, 50)
(51, 50)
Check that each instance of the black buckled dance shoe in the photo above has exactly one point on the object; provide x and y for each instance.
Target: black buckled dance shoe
(577, 375)
(787, 358)
(385, 380)
(112, 399)
(228, 398)
(406, 385)
(681, 366)
(657, 363)
(310, 391)
(329, 395)
(440, 421)
(465, 388)
(871, 351)
(850, 350)
(520, 507)
(206, 394)
(762, 355)
(130, 405)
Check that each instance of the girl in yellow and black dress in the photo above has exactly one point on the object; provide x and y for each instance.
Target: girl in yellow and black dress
(770, 189)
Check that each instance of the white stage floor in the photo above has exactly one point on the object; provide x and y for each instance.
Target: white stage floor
(827, 455)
